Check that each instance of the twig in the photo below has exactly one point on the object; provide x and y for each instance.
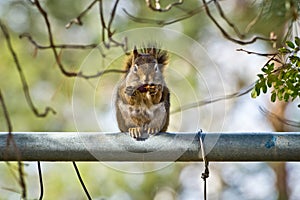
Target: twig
(254, 21)
(226, 35)
(158, 7)
(273, 56)
(163, 22)
(22, 77)
(259, 54)
(10, 139)
(48, 25)
(166, 22)
(280, 119)
(214, 100)
(58, 46)
(232, 25)
(56, 54)
(106, 72)
(107, 29)
(77, 20)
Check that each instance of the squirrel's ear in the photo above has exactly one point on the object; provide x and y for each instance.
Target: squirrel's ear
(153, 51)
(135, 53)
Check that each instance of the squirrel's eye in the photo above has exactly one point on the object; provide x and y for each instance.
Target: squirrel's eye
(135, 68)
(156, 68)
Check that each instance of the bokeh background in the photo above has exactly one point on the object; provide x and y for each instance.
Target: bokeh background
(220, 70)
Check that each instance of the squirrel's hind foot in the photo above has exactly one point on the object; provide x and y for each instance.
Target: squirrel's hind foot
(138, 133)
(135, 132)
(152, 131)
(142, 134)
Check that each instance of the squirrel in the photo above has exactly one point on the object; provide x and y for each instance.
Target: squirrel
(143, 99)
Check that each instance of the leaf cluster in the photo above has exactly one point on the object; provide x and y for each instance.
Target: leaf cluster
(284, 81)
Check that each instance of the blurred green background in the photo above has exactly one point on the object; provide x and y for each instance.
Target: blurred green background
(220, 70)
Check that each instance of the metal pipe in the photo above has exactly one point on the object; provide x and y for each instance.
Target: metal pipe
(73, 146)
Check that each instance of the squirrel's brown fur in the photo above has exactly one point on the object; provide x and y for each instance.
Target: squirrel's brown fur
(143, 99)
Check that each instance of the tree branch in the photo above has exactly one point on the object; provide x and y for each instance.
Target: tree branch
(163, 22)
(158, 7)
(226, 35)
(10, 139)
(58, 46)
(280, 119)
(259, 54)
(77, 20)
(22, 77)
(56, 54)
(214, 100)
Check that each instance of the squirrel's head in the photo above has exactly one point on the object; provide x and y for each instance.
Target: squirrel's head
(145, 68)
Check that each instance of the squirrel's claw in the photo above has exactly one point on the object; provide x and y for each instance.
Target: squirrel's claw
(135, 132)
(152, 131)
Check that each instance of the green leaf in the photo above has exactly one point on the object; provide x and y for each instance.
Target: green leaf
(286, 96)
(269, 82)
(264, 69)
(294, 59)
(254, 93)
(290, 44)
(273, 97)
(264, 88)
(297, 41)
(271, 67)
(280, 95)
(261, 76)
(284, 50)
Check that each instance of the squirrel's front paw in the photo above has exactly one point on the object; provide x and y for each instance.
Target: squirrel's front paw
(135, 132)
(130, 91)
(152, 131)
(153, 90)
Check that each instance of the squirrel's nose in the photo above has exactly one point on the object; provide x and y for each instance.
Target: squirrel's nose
(146, 80)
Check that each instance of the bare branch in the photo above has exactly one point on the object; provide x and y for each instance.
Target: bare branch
(5, 112)
(107, 29)
(163, 22)
(232, 25)
(22, 77)
(253, 22)
(104, 72)
(56, 54)
(226, 35)
(58, 46)
(280, 119)
(273, 56)
(187, 15)
(10, 139)
(158, 7)
(48, 25)
(77, 20)
(259, 54)
(214, 100)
